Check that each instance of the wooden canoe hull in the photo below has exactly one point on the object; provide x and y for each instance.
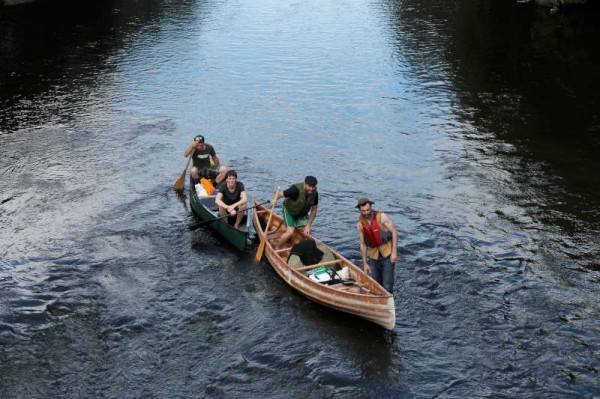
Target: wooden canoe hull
(362, 297)
(206, 209)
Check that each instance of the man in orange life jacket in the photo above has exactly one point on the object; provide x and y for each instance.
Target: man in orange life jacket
(378, 236)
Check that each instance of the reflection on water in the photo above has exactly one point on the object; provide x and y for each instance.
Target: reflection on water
(521, 77)
(471, 124)
(532, 89)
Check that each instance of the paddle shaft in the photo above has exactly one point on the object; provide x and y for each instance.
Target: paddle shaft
(263, 239)
(204, 222)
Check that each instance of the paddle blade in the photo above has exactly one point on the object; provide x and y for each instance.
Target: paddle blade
(180, 183)
(261, 248)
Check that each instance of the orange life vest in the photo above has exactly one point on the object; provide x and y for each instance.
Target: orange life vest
(377, 243)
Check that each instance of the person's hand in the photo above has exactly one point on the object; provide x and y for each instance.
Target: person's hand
(307, 229)
(366, 268)
(393, 257)
(231, 210)
(189, 149)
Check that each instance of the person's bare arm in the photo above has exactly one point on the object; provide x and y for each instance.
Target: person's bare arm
(188, 150)
(363, 248)
(240, 204)
(389, 225)
(311, 218)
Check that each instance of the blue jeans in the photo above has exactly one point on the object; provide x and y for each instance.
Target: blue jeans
(382, 270)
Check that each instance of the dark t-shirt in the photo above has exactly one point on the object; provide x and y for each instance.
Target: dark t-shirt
(231, 198)
(292, 193)
(202, 158)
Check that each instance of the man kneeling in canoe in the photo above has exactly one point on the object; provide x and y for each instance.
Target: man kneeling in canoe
(232, 198)
(300, 199)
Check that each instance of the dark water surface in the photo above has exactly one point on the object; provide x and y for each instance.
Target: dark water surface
(474, 125)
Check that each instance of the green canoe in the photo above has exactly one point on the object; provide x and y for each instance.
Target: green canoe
(206, 209)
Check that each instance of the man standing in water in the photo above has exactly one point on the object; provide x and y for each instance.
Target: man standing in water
(206, 163)
(378, 235)
(300, 199)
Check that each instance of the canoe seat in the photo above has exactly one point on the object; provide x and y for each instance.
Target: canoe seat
(354, 287)
(280, 250)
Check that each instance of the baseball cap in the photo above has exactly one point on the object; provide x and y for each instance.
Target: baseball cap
(363, 201)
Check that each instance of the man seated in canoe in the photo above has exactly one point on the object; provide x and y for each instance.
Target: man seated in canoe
(300, 199)
(231, 198)
(206, 162)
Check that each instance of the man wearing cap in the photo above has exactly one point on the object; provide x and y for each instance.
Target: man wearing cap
(206, 163)
(378, 237)
(300, 199)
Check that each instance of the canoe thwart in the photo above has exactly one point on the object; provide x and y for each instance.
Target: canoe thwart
(317, 265)
(282, 250)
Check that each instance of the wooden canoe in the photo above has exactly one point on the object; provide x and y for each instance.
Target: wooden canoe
(359, 295)
(206, 209)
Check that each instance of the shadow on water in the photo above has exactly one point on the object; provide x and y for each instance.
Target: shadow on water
(538, 66)
(181, 196)
(60, 52)
(526, 96)
(529, 82)
(320, 351)
(348, 332)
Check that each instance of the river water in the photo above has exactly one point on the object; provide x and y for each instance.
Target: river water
(474, 125)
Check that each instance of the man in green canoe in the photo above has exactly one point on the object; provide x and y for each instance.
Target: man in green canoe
(206, 162)
(300, 200)
(232, 198)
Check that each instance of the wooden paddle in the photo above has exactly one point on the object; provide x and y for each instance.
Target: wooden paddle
(180, 183)
(201, 223)
(263, 239)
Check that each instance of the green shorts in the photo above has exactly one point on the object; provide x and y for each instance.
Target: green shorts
(291, 221)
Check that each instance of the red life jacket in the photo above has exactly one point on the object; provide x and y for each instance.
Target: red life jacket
(373, 232)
